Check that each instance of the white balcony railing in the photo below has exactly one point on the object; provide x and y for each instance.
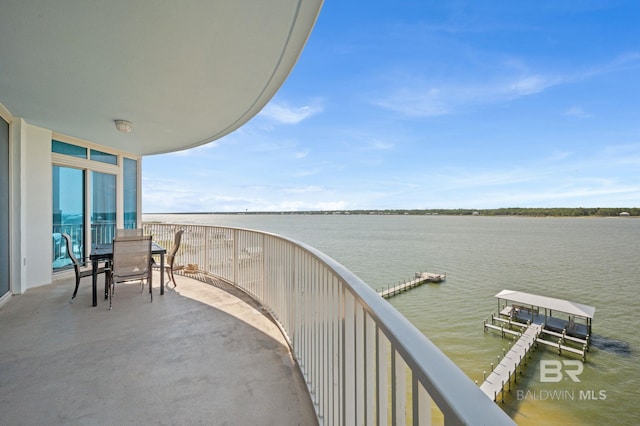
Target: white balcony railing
(363, 362)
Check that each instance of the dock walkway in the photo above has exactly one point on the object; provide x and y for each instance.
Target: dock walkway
(501, 375)
(419, 279)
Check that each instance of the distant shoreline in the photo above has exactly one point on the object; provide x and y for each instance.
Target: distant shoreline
(509, 211)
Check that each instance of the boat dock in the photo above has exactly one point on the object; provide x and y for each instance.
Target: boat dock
(524, 313)
(419, 279)
(508, 366)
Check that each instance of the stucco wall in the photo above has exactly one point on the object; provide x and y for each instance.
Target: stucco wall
(36, 212)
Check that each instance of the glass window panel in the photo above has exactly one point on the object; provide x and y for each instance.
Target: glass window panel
(4, 207)
(68, 149)
(130, 193)
(103, 157)
(68, 213)
(103, 207)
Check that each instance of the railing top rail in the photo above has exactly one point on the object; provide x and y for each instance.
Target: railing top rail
(459, 399)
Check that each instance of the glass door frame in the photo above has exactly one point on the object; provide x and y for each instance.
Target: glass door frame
(61, 210)
(89, 166)
(6, 206)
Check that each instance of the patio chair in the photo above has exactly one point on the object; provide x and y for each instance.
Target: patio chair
(131, 262)
(80, 267)
(170, 264)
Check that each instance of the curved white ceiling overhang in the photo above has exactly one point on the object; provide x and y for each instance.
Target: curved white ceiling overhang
(184, 73)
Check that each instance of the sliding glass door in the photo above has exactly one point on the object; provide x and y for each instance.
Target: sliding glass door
(68, 213)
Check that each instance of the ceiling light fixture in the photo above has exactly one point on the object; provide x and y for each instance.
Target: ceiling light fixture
(123, 125)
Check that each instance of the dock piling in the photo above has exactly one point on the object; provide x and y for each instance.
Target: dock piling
(587, 342)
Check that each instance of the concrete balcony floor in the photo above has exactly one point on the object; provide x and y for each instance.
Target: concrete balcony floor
(201, 354)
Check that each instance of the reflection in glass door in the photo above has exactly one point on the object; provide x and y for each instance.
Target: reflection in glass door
(130, 183)
(103, 207)
(68, 213)
(4, 207)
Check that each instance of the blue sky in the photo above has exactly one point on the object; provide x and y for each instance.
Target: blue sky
(428, 104)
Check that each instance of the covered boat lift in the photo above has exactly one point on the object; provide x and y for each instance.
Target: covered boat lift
(534, 315)
(527, 307)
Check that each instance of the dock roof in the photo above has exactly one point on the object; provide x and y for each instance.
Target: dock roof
(573, 308)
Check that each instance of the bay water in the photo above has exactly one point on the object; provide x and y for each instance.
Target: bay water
(593, 261)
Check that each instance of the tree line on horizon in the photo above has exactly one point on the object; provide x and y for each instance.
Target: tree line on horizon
(504, 211)
(541, 212)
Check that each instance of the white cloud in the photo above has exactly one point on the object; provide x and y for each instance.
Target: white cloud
(528, 85)
(577, 112)
(304, 190)
(418, 101)
(570, 197)
(558, 156)
(381, 146)
(415, 103)
(306, 205)
(583, 194)
(623, 61)
(306, 172)
(418, 96)
(622, 155)
(287, 114)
